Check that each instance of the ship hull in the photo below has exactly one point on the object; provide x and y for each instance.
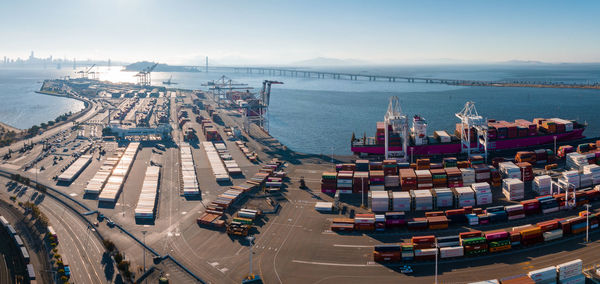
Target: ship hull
(493, 145)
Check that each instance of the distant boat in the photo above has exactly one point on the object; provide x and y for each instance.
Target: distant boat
(169, 82)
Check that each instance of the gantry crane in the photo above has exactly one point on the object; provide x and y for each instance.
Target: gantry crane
(223, 85)
(399, 124)
(257, 109)
(144, 77)
(472, 121)
(84, 74)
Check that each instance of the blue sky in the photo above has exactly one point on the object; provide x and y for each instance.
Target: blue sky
(280, 32)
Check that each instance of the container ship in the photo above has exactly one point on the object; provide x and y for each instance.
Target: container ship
(501, 135)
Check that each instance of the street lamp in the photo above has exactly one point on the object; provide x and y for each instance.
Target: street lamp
(436, 261)
(587, 222)
(251, 242)
(144, 247)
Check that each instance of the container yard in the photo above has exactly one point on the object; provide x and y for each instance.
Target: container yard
(146, 205)
(218, 169)
(75, 169)
(188, 171)
(115, 182)
(97, 183)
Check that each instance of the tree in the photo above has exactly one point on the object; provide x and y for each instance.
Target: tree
(108, 244)
(107, 131)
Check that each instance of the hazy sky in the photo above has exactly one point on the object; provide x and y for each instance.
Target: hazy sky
(279, 32)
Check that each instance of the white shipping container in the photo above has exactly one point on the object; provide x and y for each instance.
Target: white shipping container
(577, 279)
(543, 274)
(448, 252)
(423, 252)
(491, 281)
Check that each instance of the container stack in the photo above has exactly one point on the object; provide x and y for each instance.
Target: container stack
(329, 182)
(362, 165)
(344, 182)
(530, 235)
(424, 180)
(443, 197)
(364, 222)
(437, 222)
(360, 182)
(496, 176)
(115, 182)
(498, 240)
(423, 164)
(531, 207)
(379, 201)
(472, 219)
(513, 189)
(576, 161)
(482, 173)
(408, 179)
(526, 171)
(474, 245)
(439, 178)
(408, 252)
(550, 230)
(570, 178)
(585, 180)
(483, 193)
(464, 196)
(543, 276)
(422, 199)
(542, 184)
(401, 201)
(146, 204)
(515, 212)
(448, 241)
(390, 167)
(453, 251)
(454, 177)
(215, 161)
(449, 162)
(594, 170)
(392, 182)
(548, 204)
(424, 247)
(468, 176)
(571, 272)
(541, 156)
(510, 170)
(417, 224)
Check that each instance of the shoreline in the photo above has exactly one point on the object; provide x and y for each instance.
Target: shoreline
(9, 127)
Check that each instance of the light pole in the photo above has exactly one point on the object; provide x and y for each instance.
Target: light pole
(587, 223)
(144, 247)
(251, 242)
(362, 192)
(436, 261)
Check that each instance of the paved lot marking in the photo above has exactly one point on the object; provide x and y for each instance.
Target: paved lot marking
(331, 263)
(352, 246)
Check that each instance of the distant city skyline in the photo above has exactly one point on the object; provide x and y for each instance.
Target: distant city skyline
(276, 32)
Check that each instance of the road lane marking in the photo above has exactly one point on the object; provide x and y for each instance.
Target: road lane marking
(331, 263)
(352, 246)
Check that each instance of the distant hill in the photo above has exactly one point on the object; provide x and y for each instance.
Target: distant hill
(325, 61)
(139, 66)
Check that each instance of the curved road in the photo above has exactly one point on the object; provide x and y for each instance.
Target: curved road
(79, 247)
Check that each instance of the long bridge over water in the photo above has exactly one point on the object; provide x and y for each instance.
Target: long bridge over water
(296, 72)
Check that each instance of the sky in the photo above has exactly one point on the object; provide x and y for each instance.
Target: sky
(284, 32)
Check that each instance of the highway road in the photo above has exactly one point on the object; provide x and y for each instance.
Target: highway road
(78, 246)
(89, 114)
